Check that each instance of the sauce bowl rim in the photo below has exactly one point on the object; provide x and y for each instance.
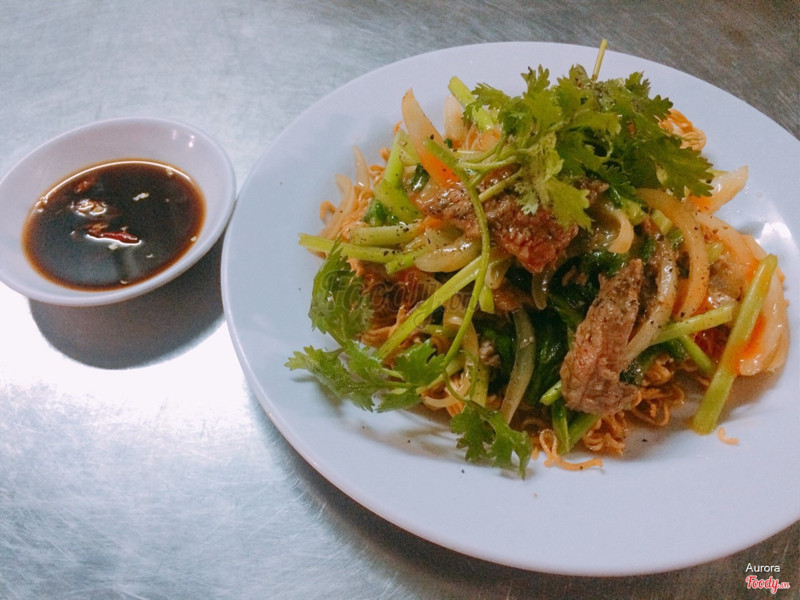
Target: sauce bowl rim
(160, 139)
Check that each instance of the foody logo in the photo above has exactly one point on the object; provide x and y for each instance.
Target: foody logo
(764, 581)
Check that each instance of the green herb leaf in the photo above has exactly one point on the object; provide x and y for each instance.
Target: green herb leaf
(355, 371)
(579, 129)
(419, 365)
(329, 369)
(487, 437)
(551, 347)
(568, 204)
(338, 307)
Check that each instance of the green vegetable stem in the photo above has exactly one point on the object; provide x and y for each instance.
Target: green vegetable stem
(705, 419)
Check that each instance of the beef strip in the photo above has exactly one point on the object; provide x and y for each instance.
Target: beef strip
(591, 369)
(536, 240)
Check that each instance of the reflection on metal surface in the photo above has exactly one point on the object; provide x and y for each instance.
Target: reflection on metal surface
(145, 468)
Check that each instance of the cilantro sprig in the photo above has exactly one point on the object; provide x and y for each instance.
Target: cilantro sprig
(580, 128)
(354, 371)
(340, 309)
(487, 437)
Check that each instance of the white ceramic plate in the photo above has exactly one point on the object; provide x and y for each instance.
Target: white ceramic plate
(675, 500)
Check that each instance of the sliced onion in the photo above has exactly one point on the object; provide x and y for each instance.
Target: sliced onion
(735, 242)
(496, 273)
(745, 252)
(694, 292)
(773, 345)
(660, 308)
(540, 286)
(622, 243)
(723, 188)
(362, 170)
(449, 257)
(454, 126)
(524, 363)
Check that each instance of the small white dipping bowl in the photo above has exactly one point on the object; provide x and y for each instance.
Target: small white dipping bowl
(160, 140)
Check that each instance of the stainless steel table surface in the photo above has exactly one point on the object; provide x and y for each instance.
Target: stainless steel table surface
(134, 460)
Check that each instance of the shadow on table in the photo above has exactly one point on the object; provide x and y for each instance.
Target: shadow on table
(140, 330)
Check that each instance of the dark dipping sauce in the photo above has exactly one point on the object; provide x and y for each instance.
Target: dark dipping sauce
(114, 224)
